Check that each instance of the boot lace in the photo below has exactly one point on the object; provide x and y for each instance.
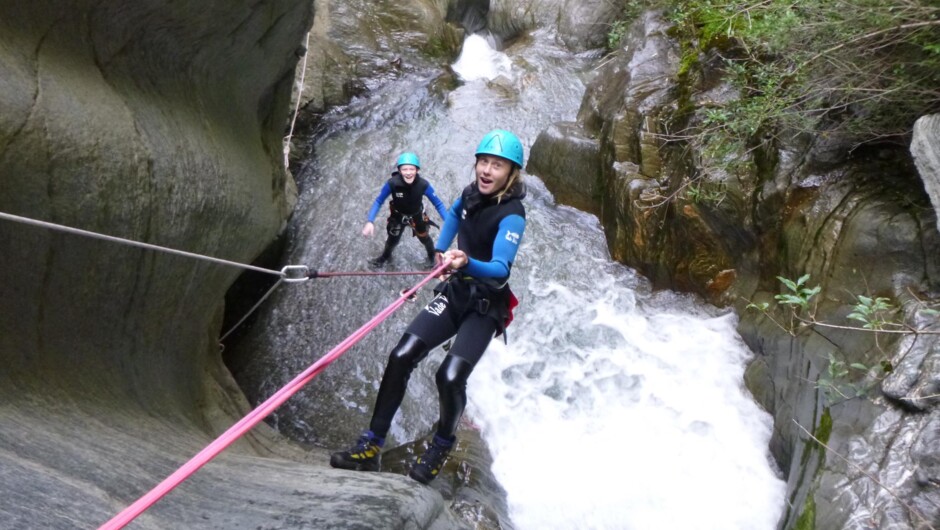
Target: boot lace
(434, 457)
(365, 447)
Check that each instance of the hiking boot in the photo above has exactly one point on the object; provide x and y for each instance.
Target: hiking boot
(366, 455)
(386, 254)
(428, 465)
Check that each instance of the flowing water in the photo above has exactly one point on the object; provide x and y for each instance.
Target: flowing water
(611, 406)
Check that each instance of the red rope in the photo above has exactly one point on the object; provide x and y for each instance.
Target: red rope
(317, 274)
(260, 412)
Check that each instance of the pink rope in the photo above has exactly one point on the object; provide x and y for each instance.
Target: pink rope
(260, 412)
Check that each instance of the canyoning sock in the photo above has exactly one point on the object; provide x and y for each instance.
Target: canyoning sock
(366, 455)
(429, 247)
(428, 465)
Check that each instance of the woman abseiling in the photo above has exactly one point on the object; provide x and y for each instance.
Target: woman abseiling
(473, 305)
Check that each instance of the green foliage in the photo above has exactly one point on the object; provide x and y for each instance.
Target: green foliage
(699, 194)
(618, 30)
(874, 313)
(840, 380)
(864, 69)
(762, 306)
(629, 11)
(798, 295)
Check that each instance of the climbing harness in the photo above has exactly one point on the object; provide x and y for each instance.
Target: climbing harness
(485, 296)
(260, 412)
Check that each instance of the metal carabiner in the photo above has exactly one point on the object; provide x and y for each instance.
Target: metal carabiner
(295, 273)
(410, 298)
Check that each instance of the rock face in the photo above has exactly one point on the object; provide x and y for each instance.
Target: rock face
(160, 124)
(132, 121)
(565, 149)
(580, 24)
(858, 224)
(356, 45)
(926, 150)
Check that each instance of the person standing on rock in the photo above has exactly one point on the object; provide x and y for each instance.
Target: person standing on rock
(474, 303)
(407, 189)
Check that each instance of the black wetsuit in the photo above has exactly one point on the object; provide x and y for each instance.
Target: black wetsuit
(474, 305)
(406, 209)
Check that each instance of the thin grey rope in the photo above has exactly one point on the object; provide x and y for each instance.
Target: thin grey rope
(282, 273)
(250, 311)
(298, 273)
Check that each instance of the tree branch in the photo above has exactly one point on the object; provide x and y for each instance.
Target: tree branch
(858, 468)
(868, 36)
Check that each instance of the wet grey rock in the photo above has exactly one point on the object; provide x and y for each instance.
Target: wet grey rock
(568, 160)
(583, 25)
(925, 147)
(355, 46)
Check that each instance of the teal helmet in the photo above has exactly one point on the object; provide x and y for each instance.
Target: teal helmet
(501, 143)
(408, 159)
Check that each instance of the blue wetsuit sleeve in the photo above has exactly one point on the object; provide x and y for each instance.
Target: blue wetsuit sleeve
(436, 201)
(377, 204)
(508, 238)
(451, 224)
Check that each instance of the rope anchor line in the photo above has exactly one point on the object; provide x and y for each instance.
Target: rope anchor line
(287, 274)
(95, 235)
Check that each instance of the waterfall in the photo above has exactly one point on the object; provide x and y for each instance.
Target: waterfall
(611, 406)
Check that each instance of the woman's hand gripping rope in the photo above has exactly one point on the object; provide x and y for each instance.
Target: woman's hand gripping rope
(454, 259)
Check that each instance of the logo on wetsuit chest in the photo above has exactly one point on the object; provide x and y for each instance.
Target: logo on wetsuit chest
(399, 195)
(463, 214)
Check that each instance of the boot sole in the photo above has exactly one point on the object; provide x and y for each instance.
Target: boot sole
(338, 462)
(420, 478)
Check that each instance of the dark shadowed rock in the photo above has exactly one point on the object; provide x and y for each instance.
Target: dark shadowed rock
(159, 123)
(568, 161)
(583, 25)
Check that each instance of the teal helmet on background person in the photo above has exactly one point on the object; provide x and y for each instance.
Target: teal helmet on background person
(408, 159)
(502, 143)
